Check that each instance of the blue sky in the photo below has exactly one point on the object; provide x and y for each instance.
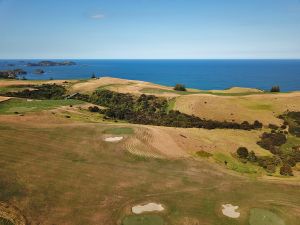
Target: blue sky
(155, 29)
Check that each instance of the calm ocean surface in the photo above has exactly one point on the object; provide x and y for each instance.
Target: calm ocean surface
(202, 74)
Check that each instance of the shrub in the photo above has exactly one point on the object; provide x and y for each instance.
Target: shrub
(242, 152)
(93, 76)
(273, 126)
(271, 168)
(257, 124)
(286, 170)
(94, 109)
(275, 89)
(179, 87)
(270, 140)
(283, 127)
(252, 157)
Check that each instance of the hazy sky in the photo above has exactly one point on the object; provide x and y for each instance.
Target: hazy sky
(182, 29)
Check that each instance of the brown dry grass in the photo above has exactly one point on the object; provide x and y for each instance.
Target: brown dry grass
(8, 82)
(262, 107)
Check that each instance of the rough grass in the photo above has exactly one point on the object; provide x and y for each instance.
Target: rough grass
(143, 220)
(22, 105)
(4, 221)
(161, 91)
(264, 217)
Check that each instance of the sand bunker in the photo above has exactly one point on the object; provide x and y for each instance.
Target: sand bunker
(113, 139)
(229, 210)
(11, 215)
(150, 207)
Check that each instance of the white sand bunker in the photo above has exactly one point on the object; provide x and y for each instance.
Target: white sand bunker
(113, 139)
(150, 207)
(230, 211)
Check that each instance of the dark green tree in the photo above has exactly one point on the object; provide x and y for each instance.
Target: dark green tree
(242, 152)
(179, 87)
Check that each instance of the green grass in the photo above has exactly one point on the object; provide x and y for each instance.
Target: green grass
(292, 141)
(265, 107)
(264, 217)
(119, 130)
(22, 105)
(12, 89)
(234, 164)
(143, 220)
(171, 104)
(5, 221)
(203, 154)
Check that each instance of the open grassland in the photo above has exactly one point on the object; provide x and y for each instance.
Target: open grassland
(263, 107)
(57, 171)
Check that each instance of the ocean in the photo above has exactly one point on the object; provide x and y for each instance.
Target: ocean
(201, 74)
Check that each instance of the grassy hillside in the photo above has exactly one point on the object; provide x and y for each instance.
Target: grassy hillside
(57, 166)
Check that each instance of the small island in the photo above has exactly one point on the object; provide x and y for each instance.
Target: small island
(38, 71)
(51, 63)
(11, 74)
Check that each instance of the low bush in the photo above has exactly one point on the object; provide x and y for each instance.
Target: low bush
(275, 89)
(242, 152)
(179, 87)
(286, 170)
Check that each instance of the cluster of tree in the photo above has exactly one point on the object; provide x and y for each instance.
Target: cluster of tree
(292, 119)
(268, 163)
(11, 74)
(272, 141)
(45, 91)
(179, 87)
(152, 110)
(275, 89)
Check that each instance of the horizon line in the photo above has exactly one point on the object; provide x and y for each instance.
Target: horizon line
(149, 58)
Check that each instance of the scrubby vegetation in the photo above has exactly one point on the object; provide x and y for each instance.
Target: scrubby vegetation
(145, 109)
(11, 74)
(286, 153)
(179, 87)
(45, 91)
(292, 119)
(149, 109)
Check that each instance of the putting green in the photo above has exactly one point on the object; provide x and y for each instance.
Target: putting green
(143, 220)
(264, 217)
